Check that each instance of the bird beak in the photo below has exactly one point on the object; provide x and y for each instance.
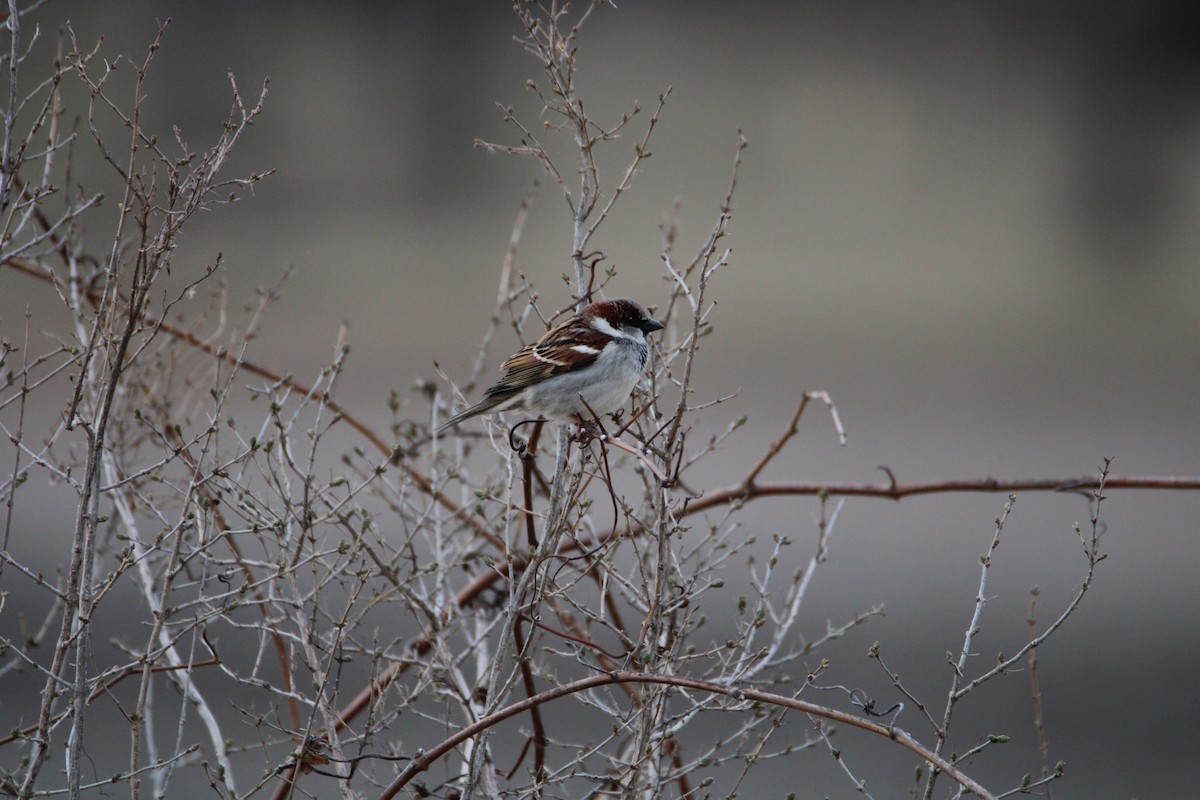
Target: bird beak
(651, 325)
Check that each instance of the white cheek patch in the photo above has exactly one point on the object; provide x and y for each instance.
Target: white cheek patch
(600, 324)
(585, 349)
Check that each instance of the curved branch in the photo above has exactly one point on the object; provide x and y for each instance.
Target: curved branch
(426, 759)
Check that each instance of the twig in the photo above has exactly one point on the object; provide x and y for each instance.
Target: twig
(1039, 721)
(792, 429)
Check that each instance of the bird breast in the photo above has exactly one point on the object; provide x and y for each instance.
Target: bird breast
(604, 386)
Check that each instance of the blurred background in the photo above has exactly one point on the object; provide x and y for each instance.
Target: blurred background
(975, 225)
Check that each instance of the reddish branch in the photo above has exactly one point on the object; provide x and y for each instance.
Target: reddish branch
(427, 759)
(892, 490)
(749, 491)
(187, 337)
(105, 689)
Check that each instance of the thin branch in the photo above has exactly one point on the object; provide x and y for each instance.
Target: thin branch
(898, 491)
(427, 758)
(1039, 721)
(792, 429)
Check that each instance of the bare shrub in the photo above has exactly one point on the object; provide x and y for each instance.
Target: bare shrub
(299, 602)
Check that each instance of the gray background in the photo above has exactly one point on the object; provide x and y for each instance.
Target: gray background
(974, 224)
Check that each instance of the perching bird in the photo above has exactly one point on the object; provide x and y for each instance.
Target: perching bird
(587, 365)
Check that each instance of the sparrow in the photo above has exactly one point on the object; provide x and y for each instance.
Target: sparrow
(587, 365)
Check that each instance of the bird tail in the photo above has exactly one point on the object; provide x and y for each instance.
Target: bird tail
(482, 407)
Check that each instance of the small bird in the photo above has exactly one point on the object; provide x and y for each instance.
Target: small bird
(587, 365)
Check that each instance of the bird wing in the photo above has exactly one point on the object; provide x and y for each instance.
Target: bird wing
(571, 346)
